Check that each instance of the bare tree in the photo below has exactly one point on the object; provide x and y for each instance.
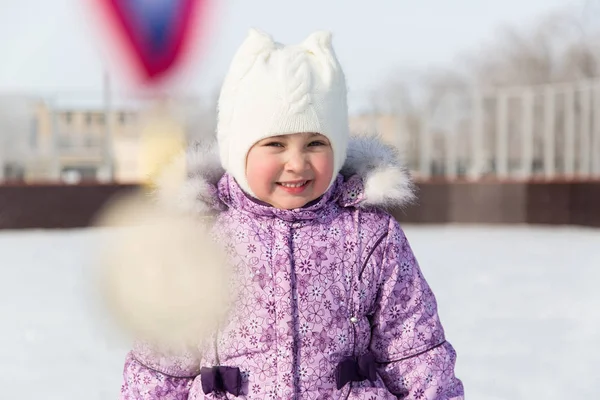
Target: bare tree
(559, 48)
(563, 46)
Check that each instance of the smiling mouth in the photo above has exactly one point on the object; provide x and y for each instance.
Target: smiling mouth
(293, 184)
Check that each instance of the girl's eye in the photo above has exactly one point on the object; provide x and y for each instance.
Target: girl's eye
(273, 144)
(317, 143)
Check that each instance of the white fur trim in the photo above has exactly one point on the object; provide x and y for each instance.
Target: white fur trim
(186, 183)
(386, 180)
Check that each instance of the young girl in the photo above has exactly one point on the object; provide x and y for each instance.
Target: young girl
(331, 301)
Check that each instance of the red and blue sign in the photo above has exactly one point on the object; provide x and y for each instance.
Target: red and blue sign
(155, 32)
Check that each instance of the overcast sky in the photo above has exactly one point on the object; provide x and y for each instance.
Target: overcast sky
(49, 46)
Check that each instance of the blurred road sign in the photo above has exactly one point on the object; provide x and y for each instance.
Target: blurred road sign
(154, 32)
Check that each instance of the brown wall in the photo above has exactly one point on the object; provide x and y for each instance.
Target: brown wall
(50, 206)
(576, 203)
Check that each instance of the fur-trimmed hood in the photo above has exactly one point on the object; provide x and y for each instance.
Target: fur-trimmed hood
(386, 180)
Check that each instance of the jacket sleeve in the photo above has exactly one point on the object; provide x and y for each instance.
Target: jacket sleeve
(150, 374)
(414, 359)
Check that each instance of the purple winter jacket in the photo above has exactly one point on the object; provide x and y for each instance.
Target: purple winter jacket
(318, 286)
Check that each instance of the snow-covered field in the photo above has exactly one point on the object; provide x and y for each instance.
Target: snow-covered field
(520, 305)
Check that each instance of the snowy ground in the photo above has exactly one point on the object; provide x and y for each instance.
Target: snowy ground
(519, 304)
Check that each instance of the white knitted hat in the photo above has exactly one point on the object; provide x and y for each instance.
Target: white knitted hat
(272, 89)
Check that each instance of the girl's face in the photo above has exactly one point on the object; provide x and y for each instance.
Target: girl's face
(290, 171)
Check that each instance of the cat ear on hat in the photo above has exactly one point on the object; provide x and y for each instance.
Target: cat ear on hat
(319, 45)
(258, 39)
(256, 43)
(318, 40)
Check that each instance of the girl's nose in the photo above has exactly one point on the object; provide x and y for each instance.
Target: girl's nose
(297, 162)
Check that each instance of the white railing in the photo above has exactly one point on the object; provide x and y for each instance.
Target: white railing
(537, 132)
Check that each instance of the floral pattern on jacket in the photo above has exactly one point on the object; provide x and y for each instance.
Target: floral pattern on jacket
(334, 279)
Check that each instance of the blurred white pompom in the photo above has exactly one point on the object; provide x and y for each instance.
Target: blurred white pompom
(160, 274)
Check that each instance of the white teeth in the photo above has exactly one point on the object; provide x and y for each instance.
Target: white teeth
(293, 185)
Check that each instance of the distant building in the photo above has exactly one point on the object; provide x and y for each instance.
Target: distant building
(83, 144)
(79, 143)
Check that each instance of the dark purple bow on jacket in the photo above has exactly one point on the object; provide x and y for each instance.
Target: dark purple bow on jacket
(221, 379)
(356, 369)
